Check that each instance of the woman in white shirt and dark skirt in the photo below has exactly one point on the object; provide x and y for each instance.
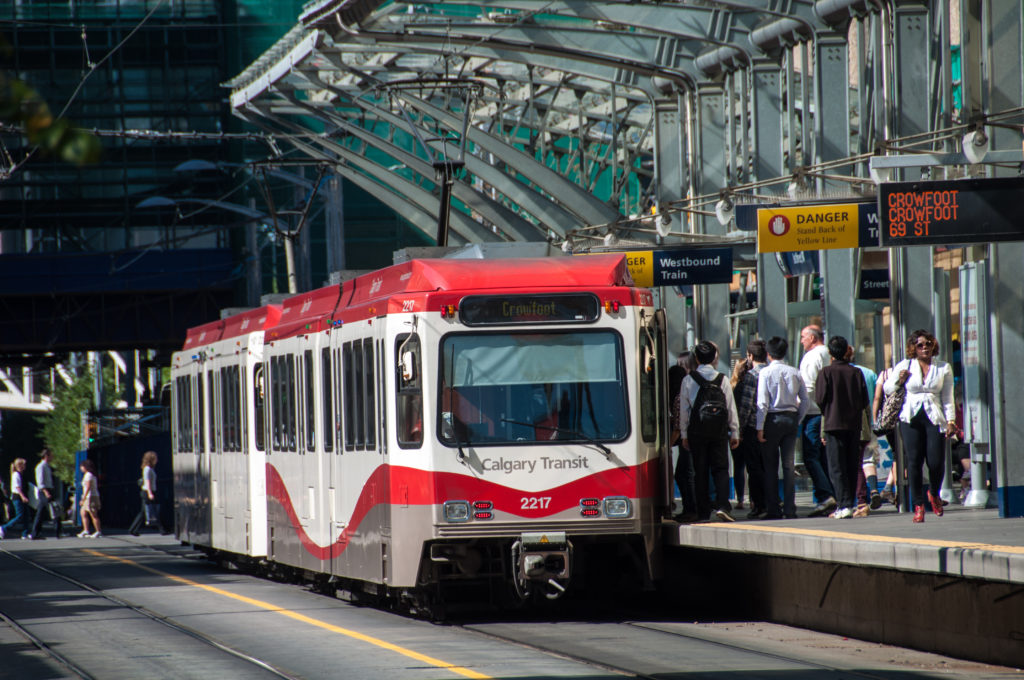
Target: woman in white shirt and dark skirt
(928, 415)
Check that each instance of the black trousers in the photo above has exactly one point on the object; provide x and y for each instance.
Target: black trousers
(750, 456)
(923, 445)
(842, 448)
(41, 509)
(147, 516)
(710, 464)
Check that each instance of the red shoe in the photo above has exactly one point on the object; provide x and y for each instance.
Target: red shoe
(918, 513)
(936, 504)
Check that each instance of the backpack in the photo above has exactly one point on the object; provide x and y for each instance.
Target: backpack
(709, 417)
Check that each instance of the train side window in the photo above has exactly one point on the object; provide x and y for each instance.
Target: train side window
(241, 420)
(235, 389)
(258, 403)
(382, 409)
(336, 415)
(309, 409)
(357, 395)
(292, 409)
(350, 398)
(648, 389)
(224, 409)
(369, 395)
(194, 435)
(201, 403)
(325, 399)
(275, 403)
(213, 403)
(409, 392)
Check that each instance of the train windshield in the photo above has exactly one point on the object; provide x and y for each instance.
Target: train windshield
(527, 388)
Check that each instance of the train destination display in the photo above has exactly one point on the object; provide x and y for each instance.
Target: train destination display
(486, 310)
(951, 211)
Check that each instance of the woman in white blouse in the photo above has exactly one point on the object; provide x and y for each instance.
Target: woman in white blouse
(928, 415)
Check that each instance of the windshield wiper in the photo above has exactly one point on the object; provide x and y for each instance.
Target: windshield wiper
(451, 422)
(579, 435)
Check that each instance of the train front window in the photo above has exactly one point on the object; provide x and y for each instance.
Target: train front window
(522, 388)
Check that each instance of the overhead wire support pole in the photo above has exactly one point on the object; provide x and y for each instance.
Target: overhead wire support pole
(289, 235)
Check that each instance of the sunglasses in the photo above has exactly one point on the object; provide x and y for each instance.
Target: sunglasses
(924, 343)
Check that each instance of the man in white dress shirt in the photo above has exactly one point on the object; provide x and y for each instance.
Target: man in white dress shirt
(815, 358)
(782, 403)
(45, 495)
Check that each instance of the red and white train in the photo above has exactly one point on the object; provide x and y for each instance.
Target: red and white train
(440, 429)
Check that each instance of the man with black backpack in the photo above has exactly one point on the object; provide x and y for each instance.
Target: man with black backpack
(710, 427)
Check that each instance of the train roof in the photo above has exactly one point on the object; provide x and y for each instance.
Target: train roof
(258, 319)
(204, 335)
(319, 309)
(428, 275)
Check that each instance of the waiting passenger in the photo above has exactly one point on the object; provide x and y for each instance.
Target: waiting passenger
(710, 426)
(747, 456)
(842, 396)
(782, 403)
(815, 358)
(684, 462)
(928, 413)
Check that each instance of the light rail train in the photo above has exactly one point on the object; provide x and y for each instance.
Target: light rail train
(439, 430)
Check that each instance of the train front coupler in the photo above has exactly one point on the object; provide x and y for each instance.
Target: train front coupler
(542, 562)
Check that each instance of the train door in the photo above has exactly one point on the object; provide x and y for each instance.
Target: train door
(202, 520)
(233, 463)
(336, 487)
(381, 452)
(258, 435)
(664, 447)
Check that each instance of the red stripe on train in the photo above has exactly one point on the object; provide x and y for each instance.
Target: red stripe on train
(402, 486)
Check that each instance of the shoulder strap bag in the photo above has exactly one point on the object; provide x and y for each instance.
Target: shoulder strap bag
(891, 407)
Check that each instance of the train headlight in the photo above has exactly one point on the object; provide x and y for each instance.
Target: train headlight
(456, 511)
(617, 506)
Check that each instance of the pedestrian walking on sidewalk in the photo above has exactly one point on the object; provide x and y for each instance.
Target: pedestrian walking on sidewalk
(150, 510)
(20, 500)
(46, 496)
(90, 500)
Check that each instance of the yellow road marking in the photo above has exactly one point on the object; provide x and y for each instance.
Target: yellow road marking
(459, 670)
(821, 533)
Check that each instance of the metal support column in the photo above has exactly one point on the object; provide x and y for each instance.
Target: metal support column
(911, 267)
(767, 123)
(832, 127)
(1003, 33)
(670, 173)
(713, 299)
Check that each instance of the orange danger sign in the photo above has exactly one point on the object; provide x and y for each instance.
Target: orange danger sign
(817, 227)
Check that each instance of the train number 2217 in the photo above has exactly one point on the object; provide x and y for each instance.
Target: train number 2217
(534, 502)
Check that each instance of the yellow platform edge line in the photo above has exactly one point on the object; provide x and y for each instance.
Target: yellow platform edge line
(822, 533)
(355, 635)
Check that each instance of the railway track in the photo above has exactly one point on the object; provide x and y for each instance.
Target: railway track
(24, 628)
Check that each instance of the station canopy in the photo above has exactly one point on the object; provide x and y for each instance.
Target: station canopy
(541, 120)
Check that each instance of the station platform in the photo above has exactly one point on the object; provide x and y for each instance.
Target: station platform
(950, 585)
(964, 542)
